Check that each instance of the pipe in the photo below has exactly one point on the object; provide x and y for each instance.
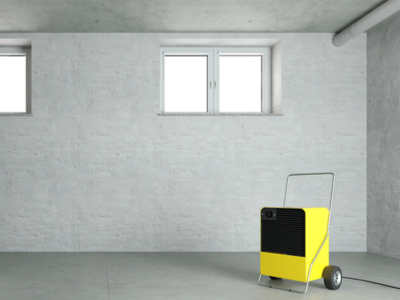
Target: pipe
(379, 14)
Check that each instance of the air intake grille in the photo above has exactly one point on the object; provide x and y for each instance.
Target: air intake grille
(286, 234)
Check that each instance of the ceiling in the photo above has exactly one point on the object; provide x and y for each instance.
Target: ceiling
(181, 15)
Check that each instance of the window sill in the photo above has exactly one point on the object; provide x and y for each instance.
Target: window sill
(15, 115)
(219, 115)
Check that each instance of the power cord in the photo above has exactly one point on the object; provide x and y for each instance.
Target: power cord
(373, 282)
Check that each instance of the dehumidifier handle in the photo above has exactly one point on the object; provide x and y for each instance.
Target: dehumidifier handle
(312, 174)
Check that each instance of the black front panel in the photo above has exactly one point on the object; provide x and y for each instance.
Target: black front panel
(283, 231)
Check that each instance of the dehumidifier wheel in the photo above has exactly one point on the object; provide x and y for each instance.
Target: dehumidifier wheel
(332, 277)
(274, 278)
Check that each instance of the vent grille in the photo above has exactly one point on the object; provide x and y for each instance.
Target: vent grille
(286, 235)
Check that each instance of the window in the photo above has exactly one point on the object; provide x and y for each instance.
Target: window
(215, 80)
(14, 80)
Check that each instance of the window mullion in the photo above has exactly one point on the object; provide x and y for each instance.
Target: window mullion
(210, 99)
(216, 81)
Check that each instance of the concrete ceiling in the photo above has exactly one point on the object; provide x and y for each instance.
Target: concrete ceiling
(181, 15)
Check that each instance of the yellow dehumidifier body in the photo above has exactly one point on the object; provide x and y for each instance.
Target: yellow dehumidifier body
(295, 244)
(291, 259)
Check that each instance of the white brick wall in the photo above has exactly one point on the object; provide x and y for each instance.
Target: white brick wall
(96, 169)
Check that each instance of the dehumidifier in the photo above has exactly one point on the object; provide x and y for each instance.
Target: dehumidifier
(295, 244)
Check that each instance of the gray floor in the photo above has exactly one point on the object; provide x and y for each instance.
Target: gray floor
(121, 276)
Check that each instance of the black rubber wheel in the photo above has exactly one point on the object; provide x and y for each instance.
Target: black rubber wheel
(275, 278)
(332, 277)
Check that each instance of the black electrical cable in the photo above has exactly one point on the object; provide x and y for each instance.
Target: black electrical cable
(373, 282)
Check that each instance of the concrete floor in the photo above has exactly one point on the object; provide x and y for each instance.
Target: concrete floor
(121, 276)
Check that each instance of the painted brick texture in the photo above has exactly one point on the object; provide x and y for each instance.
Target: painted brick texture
(96, 169)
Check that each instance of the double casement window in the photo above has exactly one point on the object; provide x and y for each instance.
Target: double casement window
(15, 80)
(215, 80)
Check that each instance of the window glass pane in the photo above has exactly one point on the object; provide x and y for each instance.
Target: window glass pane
(12, 84)
(240, 83)
(185, 83)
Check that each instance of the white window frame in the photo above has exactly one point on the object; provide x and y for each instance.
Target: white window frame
(21, 51)
(213, 54)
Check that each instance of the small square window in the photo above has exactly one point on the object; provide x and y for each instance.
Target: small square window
(240, 80)
(14, 82)
(185, 86)
(215, 80)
